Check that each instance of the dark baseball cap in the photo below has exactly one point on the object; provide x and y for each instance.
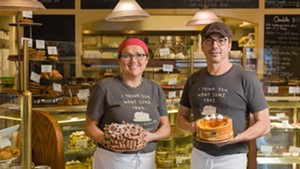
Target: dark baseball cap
(216, 27)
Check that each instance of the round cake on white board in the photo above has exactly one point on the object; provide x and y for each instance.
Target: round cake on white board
(214, 128)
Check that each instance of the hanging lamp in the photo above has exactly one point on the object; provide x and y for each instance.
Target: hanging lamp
(203, 17)
(21, 5)
(127, 10)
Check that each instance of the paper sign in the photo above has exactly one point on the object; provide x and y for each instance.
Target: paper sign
(180, 93)
(30, 42)
(172, 94)
(167, 68)
(164, 52)
(294, 149)
(46, 68)
(35, 77)
(39, 44)
(52, 50)
(81, 143)
(27, 14)
(266, 149)
(273, 89)
(294, 90)
(83, 94)
(280, 115)
(57, 87)
(172, 81)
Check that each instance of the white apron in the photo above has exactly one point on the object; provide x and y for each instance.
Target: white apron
(104, 159)
(201, 160)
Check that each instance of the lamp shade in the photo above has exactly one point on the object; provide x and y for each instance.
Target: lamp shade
(21, 5)
(127, 10)
(203, 17)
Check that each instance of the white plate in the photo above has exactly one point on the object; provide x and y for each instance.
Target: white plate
(8, 160)
(214, 142)
(124, 150)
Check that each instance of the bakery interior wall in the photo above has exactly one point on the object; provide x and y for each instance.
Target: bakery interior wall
(164, 18)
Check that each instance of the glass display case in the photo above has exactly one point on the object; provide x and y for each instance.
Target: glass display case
(280, 149)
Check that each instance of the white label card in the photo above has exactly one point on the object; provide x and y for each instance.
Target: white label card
(172, 94)
(39, 44)
(46, 68)
(81, 143)
(285, 123)
(30, 42)
(164, 52)
(266, 149)
(35, 77)
(27, 14)
(57, 87)
(273, 89)
(52, 50)
(167, 68)
(294, 149)
(172, 81)
(83, 94)
(294, 90)
(180, 93)
(280, 115)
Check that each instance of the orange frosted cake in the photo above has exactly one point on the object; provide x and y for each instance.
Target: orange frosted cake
(214, 128)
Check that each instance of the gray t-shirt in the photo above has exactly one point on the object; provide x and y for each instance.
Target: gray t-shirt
(235, 94)
(112, 101)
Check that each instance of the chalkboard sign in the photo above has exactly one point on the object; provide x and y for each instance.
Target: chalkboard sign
(58, 4)
(160, 4)
(282, 4)
(57, 30)
(282, 45)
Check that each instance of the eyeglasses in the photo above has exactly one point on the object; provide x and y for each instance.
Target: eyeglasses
(210, 41)
(138, 57)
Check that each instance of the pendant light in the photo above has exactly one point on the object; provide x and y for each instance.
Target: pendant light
(21, 5)
(127, 10)
(203, 17)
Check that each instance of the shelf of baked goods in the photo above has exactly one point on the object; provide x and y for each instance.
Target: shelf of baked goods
(34, 55)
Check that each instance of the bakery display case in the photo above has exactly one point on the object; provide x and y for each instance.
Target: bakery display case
(280, 149)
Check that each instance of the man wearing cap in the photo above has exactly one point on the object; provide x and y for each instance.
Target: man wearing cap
(129, 98)
(232, 92)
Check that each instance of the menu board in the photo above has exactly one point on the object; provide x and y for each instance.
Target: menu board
(160, 4)
(282, 45)
(282, 4)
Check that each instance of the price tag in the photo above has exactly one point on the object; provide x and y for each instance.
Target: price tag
(280, 115)
(52, 50)
(30, 41)
(164, 52)
(81, 143)
(266, 149)
(167, 68)
(294, 149)
(285, 123)
(46, 68)
(172, 81)
(57, 87)
(27, 14)
(39, 44)
(83, 94)
(294, 90)
(179, 160)
(273, 89)
(172, 94)
(35, 77)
